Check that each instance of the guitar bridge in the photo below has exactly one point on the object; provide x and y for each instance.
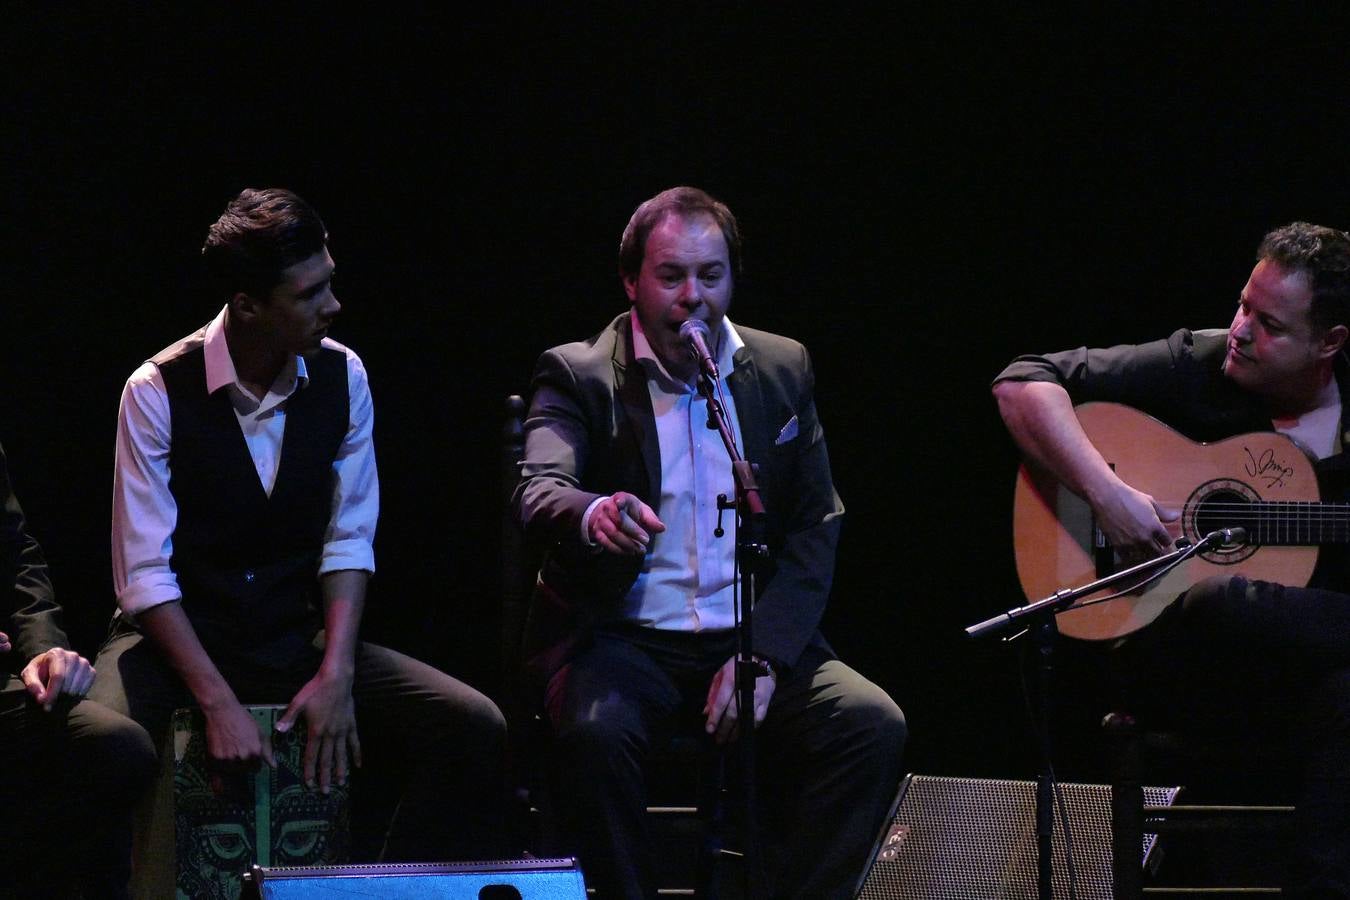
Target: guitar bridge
(1103, 554)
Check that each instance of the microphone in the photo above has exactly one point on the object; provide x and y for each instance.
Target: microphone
(695, 333)
(1234, 535)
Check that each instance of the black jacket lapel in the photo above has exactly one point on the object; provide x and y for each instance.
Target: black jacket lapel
(635, 410)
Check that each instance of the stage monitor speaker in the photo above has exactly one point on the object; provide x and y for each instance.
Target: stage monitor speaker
(955, 838)
(519, 879)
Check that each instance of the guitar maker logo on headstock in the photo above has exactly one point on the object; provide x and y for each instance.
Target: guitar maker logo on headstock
(1267, 468)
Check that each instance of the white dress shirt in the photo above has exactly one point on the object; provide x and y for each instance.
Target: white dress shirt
(145, 512)
(687, 576)
(1319, 430)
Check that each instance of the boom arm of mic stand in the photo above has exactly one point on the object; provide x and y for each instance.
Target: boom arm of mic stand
(743, 471)
(1062, 599)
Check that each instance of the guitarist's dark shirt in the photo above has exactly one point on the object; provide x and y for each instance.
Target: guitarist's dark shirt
(1180, 382)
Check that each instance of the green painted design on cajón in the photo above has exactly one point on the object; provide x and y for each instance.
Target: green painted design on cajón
(269, 817)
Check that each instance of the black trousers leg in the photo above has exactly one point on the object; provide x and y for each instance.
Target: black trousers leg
(605, 707)
(1275, 660)
(444, 738)
(1321, 858)
(448, 742)
(830, 747)
(68, 779)
(829, 756)
(133, 679)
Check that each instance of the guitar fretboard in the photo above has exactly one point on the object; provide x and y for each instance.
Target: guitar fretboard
(1281, 523)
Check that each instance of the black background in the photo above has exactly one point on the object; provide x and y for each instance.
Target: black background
(923, 195)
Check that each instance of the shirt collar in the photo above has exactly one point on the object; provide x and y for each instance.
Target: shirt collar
(220, 371)
(726, 340)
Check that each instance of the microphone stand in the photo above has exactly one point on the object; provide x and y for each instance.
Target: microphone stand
(1039, 619)
(751, 553)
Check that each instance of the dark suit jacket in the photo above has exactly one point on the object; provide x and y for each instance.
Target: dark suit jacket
(28, 610)
(591, 432)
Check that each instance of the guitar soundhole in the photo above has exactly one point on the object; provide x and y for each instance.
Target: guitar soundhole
(1219, 504)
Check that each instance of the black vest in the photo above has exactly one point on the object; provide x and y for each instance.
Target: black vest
(246, 563)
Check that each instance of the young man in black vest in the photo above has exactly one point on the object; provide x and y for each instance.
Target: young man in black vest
(241, 559)
(69, 768)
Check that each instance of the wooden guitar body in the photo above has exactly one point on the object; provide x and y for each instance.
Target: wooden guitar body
(1262, 482)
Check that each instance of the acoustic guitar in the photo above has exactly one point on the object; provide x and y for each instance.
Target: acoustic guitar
(1261, 482)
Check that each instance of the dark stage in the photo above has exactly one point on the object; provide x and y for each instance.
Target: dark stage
(923, 195)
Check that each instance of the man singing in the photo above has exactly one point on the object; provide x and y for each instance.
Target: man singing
(632, 621)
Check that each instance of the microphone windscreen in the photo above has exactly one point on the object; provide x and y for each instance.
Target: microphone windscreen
(694, 326)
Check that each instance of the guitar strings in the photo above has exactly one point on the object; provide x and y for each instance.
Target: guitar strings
(1163, 570)
(1270, 505)
(1274, 514)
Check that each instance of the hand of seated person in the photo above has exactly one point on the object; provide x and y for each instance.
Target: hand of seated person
(4, 642)
(233, 741)
(1134, 522)
(722, 709)
(55, 672)
(330, 715)
(623, 524)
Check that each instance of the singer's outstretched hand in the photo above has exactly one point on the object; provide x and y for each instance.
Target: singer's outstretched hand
(621, 523)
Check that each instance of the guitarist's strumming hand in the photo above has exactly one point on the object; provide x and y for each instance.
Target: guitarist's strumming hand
(1133, 521)
(1041, 419)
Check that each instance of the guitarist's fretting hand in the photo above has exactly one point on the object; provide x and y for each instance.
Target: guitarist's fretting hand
(1133, 521)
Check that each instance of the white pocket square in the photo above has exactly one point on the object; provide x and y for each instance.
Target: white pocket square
(788, 433)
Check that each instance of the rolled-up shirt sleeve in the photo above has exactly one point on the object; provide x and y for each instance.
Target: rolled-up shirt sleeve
(144, 511)
(349, 540)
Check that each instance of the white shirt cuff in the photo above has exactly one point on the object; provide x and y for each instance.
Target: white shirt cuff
(586, 521)
(352, 553)
(151, 591)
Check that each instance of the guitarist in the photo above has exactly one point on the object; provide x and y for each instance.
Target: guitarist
(1274, 657)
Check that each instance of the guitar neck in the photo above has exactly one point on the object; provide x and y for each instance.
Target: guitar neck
(1290, 523)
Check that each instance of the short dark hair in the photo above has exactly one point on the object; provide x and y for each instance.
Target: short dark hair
(1321, 253)
(260, 234)
(686, 202)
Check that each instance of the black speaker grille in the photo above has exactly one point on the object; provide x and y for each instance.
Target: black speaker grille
(958, 838)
